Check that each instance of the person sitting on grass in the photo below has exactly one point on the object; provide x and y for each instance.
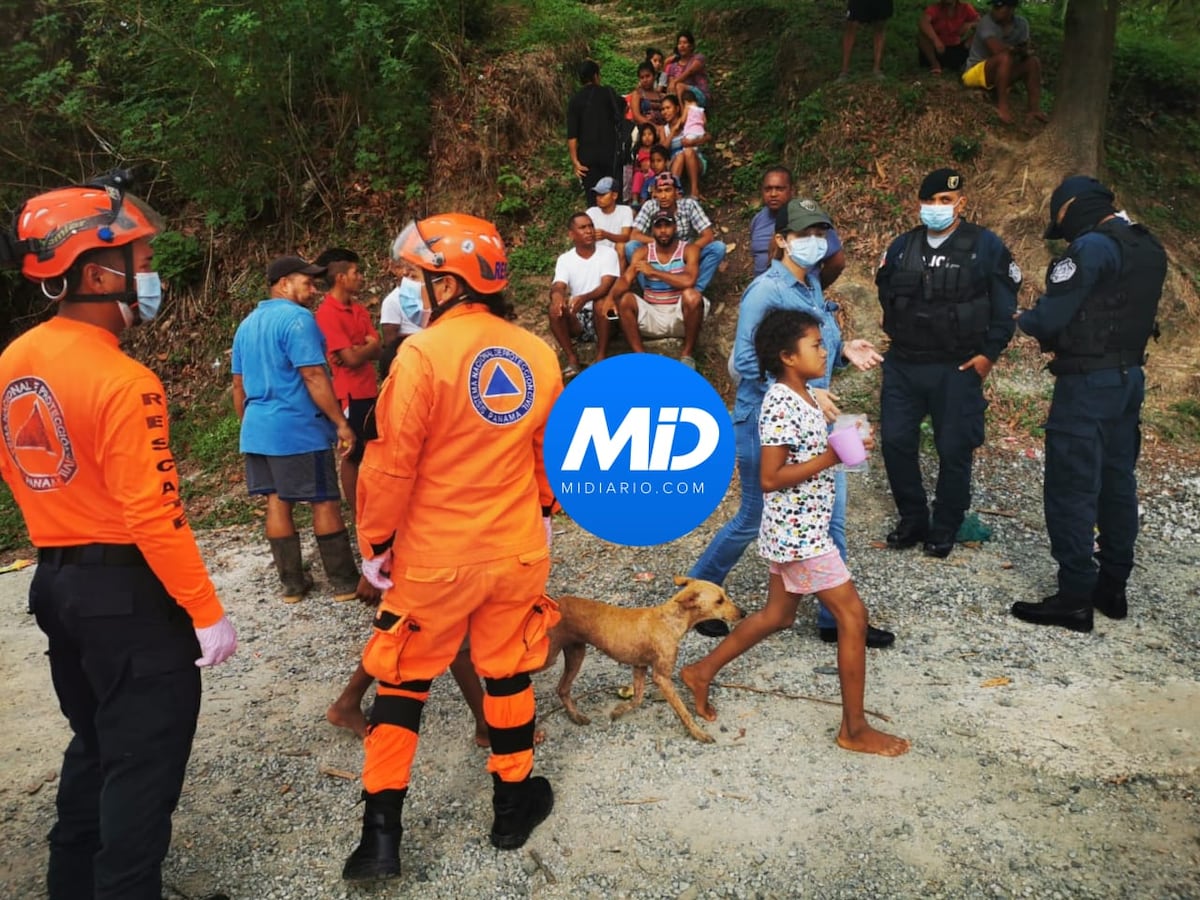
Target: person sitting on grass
(942, 35)
(579, 294)
(798, 483)
(1001, 55)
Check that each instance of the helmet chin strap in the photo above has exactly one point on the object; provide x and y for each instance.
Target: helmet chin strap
(127, 298)
(437, 309)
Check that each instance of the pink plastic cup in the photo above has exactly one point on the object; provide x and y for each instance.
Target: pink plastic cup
(848, 445)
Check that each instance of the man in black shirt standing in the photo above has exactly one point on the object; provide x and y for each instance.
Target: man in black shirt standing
(594, 117)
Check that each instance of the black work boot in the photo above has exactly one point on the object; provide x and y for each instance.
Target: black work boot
(908, 533)
(377, 856)
(519, 807)
(1108, 596)
(1067, 610)
(340, 568)
(289, 563)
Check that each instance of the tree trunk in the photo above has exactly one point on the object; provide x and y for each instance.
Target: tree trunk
(1081, 94)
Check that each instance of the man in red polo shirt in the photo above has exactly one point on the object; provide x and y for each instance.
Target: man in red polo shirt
(943, 35)
(351, 345)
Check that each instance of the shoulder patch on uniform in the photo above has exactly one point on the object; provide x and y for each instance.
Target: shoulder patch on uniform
(501, 385)
(1064, 270)
(1014, 273)
(34, 428)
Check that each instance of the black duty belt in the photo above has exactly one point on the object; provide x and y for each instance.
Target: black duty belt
(92, 555)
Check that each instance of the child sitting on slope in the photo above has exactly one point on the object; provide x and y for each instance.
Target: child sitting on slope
(798, 486)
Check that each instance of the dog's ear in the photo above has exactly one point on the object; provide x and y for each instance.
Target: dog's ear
(681, 580)
(688, 597)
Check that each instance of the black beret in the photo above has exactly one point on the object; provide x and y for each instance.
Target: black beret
(939, 182)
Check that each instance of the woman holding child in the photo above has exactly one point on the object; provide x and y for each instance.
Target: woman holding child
(684, 141)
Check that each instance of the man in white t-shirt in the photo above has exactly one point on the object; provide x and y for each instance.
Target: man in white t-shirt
(402, 313)
(579, 295)
(612, 220)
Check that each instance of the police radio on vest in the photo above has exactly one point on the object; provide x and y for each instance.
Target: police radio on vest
(645, 455)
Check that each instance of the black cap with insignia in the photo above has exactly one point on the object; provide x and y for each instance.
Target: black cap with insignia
(938, 182)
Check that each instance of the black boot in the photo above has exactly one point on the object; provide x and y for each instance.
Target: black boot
(1066, 610)
(1108, 596)
(289, 563)
(908, 533)
(519, 807)
(340, 568)
(377, 856)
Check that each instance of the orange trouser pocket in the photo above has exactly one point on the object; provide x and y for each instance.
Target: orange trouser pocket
(385, 648)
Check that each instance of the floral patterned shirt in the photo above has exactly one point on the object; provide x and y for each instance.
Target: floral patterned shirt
(795, 520)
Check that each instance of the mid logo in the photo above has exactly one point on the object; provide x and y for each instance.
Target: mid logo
(639, 449)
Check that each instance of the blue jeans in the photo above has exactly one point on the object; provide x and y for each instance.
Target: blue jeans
(727, 547)
(710, 257)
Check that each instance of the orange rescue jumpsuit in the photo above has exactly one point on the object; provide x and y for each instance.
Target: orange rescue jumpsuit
(455, 485)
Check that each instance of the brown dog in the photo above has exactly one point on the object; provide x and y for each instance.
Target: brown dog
(642, 638)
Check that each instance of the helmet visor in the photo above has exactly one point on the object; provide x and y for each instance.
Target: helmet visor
(411, 247)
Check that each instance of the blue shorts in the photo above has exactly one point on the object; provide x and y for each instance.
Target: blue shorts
(298, 478)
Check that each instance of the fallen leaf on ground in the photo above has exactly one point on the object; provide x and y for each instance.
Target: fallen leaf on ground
(1001, 681)
(879, 545)
(643, 576)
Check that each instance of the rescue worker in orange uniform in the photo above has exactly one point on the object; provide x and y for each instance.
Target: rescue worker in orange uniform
(120, 589)
(453, 524)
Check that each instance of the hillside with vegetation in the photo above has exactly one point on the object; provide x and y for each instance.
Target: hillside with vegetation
(291, 125)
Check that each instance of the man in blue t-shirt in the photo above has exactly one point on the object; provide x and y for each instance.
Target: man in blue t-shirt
(290, 416)
(777, 190)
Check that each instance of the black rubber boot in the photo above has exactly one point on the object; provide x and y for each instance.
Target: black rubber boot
(1108, 596)
(340, 568)
(520, 806)
(289, 563)
(377, 856)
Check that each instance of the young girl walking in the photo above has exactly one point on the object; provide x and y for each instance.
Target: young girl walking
(798, 486)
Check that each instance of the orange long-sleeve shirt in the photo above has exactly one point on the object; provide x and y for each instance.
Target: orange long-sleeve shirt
(86, 454)
(457, 474)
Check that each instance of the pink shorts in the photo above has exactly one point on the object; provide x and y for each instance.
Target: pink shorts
(808, 576)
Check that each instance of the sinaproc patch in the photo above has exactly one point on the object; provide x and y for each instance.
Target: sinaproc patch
(501, 385)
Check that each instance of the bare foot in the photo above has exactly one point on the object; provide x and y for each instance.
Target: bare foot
(699, 688)
(868, 740)
(482, 739)
(1039, 115)
(1004, 116)
(347, 716)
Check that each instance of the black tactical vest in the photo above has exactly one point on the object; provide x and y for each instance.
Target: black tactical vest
(1117, 319)
(936, 314)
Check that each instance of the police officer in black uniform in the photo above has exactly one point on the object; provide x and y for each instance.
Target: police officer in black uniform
(949, 291)
(1096, 317)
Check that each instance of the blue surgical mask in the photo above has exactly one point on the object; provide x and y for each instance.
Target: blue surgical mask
(149, 294)
(938, 216)
(807, 251)
(410, 302)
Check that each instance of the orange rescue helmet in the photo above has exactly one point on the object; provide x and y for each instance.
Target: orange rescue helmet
(54, 229)
(456, 244)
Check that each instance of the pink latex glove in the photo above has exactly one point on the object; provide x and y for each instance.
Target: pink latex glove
(548, 524)
(217, 642)
(377, 569)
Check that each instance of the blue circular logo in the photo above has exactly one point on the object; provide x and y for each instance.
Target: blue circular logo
(501, 385)
(639, 449)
